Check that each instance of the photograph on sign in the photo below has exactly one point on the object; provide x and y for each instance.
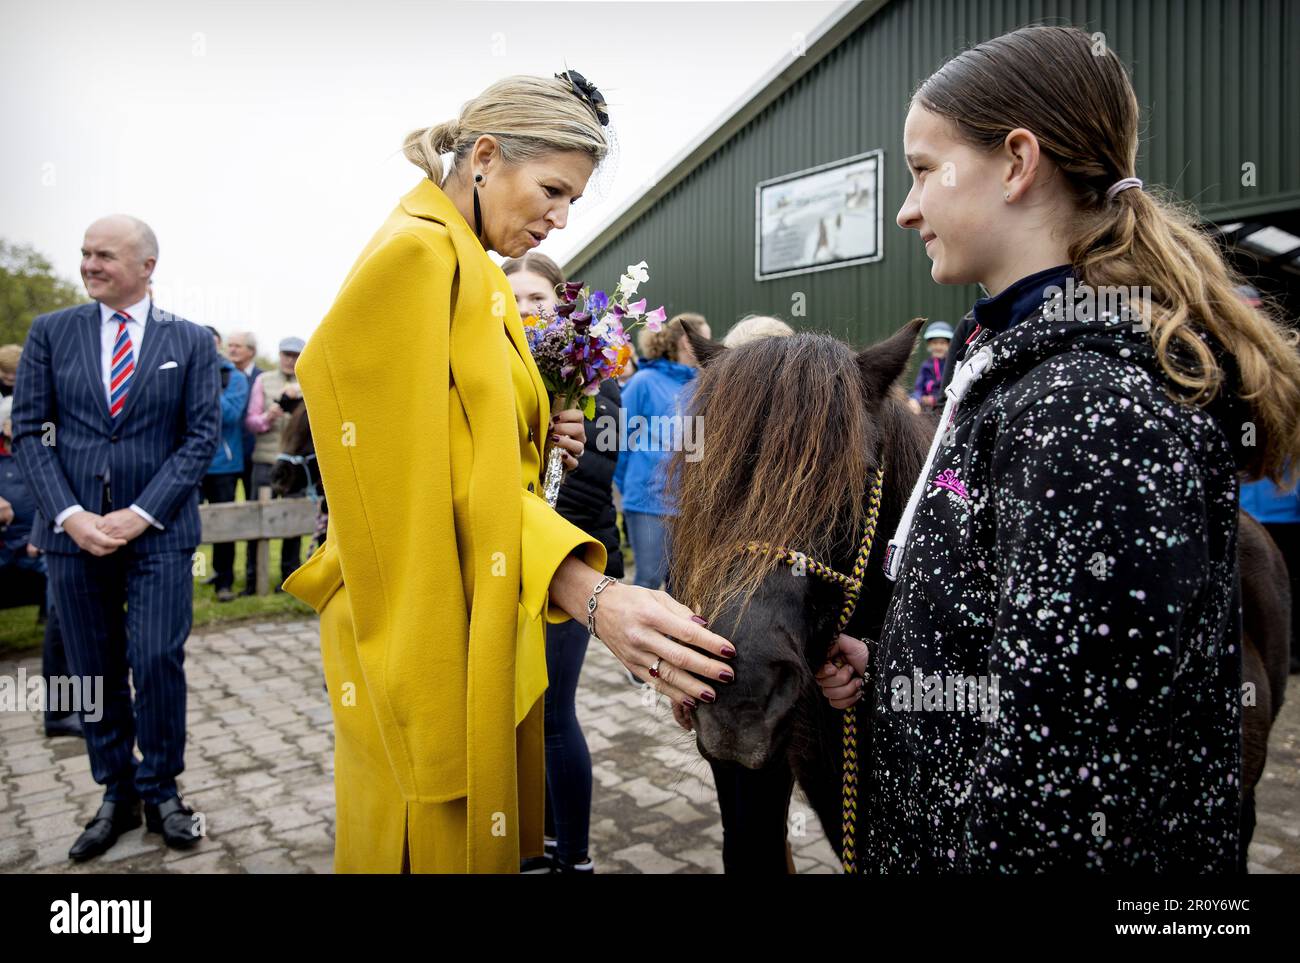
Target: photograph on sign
(820, 218)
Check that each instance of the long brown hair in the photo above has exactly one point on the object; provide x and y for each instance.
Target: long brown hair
(793, 433)
(1077, 99)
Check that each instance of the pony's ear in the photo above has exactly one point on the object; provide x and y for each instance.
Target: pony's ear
(705, 349)
(883, 363)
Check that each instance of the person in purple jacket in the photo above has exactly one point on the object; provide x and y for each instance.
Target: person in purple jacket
(926, 393)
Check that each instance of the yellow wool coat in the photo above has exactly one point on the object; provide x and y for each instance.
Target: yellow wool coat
(429, 420)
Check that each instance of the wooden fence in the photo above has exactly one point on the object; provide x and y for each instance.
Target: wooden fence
(257, 522)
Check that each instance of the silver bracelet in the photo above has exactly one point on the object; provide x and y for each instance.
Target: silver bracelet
(591, 602)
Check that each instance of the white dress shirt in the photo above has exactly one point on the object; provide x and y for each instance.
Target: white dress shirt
(139, 318)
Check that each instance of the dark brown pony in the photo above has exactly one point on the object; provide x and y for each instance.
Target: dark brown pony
(296, 471)
(795, 429)
(1265, 655)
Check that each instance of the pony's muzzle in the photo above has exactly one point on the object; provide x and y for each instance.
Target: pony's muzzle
(750, 723)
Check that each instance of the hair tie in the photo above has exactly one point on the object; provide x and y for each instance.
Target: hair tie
(1122, 185)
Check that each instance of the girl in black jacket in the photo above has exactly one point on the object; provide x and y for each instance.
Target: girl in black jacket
(586, 499)
(1057, 685)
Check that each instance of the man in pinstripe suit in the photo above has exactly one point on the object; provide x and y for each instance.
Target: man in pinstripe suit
(116, 417)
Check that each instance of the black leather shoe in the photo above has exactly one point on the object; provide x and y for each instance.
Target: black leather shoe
(174, 820)
(67, 726)
(111, 821)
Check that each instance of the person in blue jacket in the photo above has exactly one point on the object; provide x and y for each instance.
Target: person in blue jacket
(1278, 510)
(23, 576)
(653, 403)
(227, 464)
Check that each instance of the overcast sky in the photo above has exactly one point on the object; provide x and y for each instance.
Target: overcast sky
(261, 141)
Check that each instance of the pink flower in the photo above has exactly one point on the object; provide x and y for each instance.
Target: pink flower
(655, 319)
(636, 308)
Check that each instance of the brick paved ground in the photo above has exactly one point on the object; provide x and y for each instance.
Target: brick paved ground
(259, 770)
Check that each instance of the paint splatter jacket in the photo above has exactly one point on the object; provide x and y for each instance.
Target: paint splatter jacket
(1057, 685)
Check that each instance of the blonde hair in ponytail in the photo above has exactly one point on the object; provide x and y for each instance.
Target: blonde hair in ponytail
(1083, 110)
(528, 116)
(1147, 239)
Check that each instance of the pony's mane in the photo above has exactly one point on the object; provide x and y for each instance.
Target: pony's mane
(776, 467)
(296, 437)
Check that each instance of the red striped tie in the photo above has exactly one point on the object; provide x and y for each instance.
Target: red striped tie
(123, 367)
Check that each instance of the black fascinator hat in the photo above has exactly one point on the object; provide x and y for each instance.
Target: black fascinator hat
(587, 92)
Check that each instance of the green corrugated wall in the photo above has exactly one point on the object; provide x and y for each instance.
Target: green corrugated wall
(1218, 82)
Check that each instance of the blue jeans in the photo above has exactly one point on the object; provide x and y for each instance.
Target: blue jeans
(568, 762)
(649, 537)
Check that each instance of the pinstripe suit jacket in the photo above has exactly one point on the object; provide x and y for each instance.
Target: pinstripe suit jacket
(155, 456)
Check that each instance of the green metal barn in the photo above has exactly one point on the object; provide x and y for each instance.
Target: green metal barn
(1219, 86)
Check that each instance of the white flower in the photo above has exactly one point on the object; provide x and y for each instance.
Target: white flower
(636, 276)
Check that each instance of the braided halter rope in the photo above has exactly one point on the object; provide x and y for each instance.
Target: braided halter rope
(852, 587)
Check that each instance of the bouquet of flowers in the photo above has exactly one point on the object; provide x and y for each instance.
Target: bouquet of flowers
(584, 341)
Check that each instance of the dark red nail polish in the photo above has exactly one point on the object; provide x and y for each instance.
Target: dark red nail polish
(728, 651)
(688, 702)
(707, 696)
(697, 619)
(725, 675)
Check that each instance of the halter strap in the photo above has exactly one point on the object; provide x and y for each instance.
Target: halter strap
(301, 461)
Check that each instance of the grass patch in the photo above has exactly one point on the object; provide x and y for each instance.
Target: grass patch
(19, 631)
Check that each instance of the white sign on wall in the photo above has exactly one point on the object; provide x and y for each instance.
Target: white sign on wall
(820, 218)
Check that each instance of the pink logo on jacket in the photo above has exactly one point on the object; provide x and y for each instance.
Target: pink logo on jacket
(948, 479)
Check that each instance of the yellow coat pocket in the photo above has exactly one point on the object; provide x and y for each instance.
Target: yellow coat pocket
(319, 578)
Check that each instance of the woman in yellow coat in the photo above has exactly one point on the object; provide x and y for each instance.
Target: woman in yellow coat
(442, 561)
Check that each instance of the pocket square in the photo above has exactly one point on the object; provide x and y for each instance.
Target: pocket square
(166, 364)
